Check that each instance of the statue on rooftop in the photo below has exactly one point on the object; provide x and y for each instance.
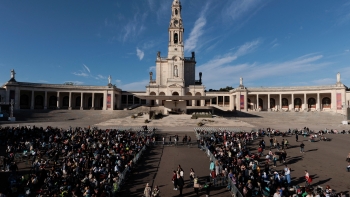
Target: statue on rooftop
(338, 77)
(13, 74)
(150, 76)
(241, 81)
(109, 79)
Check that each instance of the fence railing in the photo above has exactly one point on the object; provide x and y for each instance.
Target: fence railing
(221, 181)
(123, 175)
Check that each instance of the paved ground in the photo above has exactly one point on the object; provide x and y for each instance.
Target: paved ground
(324, 160)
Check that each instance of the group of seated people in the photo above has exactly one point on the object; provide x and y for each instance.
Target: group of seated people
(73, 162)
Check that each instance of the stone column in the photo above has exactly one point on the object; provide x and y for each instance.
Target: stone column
(292, 108)
(305, 102)
(32, 101)
(268, 103)
(257, 102)
(318, 102)
(58, 100)
(93, 101)
(45, 100)
(81, 101)
(280, 104)
(105, 100)
(70, 101)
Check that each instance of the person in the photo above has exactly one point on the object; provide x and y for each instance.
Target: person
(302, 145)
(277, 194)
(274, 159)
(296, 137)
(180, 183)
(207, 187)
(348, 167)
(192, 175)
(174, 180)
(308, 179)
(155, 191)
(147, 191)
(180, 171)
(196, 185)
(348, 158)
(287, 175)
(211, 166)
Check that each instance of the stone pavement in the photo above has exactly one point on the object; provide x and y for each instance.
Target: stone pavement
(324, 160)
(157, 169)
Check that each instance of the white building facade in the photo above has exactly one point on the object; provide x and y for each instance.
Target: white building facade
(174, 85)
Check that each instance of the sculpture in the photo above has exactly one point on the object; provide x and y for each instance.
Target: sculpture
(241, 81)
(150, 76)
(338, 77)
(13, 74)
(158, 54)
(175, 71)
(109, 79)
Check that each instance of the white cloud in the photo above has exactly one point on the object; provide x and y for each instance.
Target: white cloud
(347, 50)
(139, 85)
(134, 27)
(274, 43)
(325, 81)
(81, 74)
(101, 77)
(139, 53)
(239, 8)
(197, 31)
(87, 68)
(152, 68)
(85, 72)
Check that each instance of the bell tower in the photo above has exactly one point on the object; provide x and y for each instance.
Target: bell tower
(176, 30)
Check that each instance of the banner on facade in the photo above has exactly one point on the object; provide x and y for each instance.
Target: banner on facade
(339, 103)
(242, 102)
(108, 100)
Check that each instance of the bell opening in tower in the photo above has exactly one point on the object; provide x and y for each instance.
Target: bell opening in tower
(176, 38)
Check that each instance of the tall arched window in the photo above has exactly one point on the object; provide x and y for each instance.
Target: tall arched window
(176, 38)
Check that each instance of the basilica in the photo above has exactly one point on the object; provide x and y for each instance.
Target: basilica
(175, 88)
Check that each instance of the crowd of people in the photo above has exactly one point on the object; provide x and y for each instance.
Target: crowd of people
(73, 162)
(254, 174)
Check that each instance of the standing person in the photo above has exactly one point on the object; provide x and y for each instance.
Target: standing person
(211, 166)
(302, 145)
(207, 187)
(308, 179)
(155, 191)
(196, 185)
(180, 183)
(271, 142)
(348, 167)
(192, 175)
(174, 180)
(296, 136)
(180, 171)
(274, 159)
(147, 191)
(287, 175)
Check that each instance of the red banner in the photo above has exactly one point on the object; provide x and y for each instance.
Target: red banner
(242, 102)
(108, 100)
(339, 103)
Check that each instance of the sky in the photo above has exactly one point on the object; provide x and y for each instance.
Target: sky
(267, 42)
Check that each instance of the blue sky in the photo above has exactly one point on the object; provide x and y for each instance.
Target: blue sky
(267, 42)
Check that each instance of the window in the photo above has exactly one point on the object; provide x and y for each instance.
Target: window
(176, 38)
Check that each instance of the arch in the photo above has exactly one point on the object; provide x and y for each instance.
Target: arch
(162, 94)
(90, 102)
(297, 103)
(52, 101)
(176, 11)
(326, 102)
(65, 101)
(249, 105)
(261, 103)
(176, 38)
(24, 101)
(198, 94)
(77, 101)
(311, 103)
(272, 103)
(152, 93)
(175, 93)
(39, 101)
(285, 103)
(101, 102)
